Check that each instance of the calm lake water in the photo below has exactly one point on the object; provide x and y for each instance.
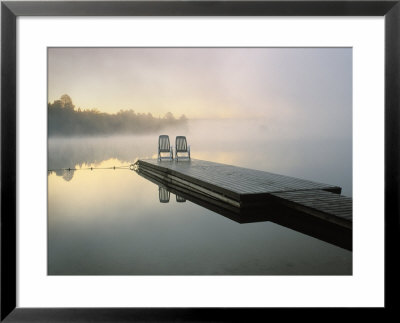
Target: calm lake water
(111, 222)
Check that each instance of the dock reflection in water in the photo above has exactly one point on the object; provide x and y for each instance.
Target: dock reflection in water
(277, 213)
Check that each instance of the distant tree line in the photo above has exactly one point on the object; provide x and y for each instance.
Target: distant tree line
(64, 119)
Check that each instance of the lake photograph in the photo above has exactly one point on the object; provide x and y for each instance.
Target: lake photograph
(199, 161)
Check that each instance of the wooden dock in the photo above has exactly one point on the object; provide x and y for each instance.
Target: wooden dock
(239, 189)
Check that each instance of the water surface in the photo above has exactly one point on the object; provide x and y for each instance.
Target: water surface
(111, 222)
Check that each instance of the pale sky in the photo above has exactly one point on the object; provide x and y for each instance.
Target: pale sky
(207, 82)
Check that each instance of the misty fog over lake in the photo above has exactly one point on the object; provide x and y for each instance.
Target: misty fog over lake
(111, 221)
(242, 143)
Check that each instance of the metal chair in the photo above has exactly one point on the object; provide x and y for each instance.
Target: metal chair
(181, 147)
(164, 147)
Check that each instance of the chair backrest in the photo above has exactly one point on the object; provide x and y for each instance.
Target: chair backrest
(163, 143)
(180, 144)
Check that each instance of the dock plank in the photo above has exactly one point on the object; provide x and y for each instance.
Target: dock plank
(237, 179)
(321, 203)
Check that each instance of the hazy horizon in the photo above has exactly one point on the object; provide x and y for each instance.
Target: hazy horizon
(290, 88)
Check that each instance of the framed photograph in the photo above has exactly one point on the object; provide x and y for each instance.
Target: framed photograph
(176, 160)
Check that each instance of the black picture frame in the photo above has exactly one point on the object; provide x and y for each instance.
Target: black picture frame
(10, 10)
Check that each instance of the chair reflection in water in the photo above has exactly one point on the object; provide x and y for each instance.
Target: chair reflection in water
(164, 147)
(163, 195)
(180, 199)
(181, 147)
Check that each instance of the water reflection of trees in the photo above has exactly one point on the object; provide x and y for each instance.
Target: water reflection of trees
(65, 173)
(74, 153)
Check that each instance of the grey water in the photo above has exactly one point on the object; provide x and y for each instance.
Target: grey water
(111, 222)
